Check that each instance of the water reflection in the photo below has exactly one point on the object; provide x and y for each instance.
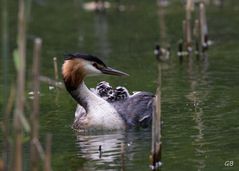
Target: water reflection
(103, 147)
(198, 79)
(112, 151)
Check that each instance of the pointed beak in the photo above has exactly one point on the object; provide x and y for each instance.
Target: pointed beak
(111, 71)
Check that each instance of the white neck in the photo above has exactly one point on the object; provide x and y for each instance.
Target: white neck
(100, 114)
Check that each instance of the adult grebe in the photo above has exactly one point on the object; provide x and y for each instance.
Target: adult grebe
(104, 107)
(161, 53)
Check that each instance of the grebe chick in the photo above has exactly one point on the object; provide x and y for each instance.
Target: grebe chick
(103, 88)
(93, 111)
(117, 94)
(121, 93)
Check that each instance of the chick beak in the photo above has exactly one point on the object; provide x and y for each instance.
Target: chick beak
(111, 71)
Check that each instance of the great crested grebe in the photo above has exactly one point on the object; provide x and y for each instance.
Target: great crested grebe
(103, 107)
(161, 53)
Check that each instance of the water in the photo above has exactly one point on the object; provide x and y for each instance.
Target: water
(200, 99)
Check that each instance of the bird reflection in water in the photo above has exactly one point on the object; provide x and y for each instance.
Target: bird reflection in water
(113, 150)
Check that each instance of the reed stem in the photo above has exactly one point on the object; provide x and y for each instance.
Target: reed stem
(5, 90)
(35, 114)
(47, 160)
(55, 68)
(162, 25)
(20, 87)
(156, 125)
(6, 129)
(203, 26)
(188, 34)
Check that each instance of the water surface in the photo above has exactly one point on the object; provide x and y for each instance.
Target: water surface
(200, 98)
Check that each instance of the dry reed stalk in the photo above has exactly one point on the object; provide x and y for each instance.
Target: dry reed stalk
(162, 25)
(35, 114)
(196, 33)
(55, 68)
(156, 125)
(5, 50)
(20, 87)
(6, 138)
(196, 29)
(203, 26)
(9, 105)
(47, 159)
(39, 148)
(188, 35)
(51, 82)
(184, 34)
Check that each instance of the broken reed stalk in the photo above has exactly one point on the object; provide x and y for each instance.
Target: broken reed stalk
(20, 87)
(5, 67)
(184, 34)
(196, 29)
(156, 126)
(47, 159)
(55, 68)
(196, 36)
(5, 50)
(203, 26)
(162, 26)
(188, 36)
(35, 114)
(5, 127)
(51, 82)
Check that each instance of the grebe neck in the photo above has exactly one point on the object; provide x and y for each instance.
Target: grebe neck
(100, 114)
(83, 95)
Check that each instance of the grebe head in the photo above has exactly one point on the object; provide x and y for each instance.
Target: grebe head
(77, 66)
(121, 93)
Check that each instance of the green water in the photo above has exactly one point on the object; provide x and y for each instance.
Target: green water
(200, 99)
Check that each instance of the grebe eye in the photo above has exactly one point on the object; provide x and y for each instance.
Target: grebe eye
(95, 65)
(98, 66)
